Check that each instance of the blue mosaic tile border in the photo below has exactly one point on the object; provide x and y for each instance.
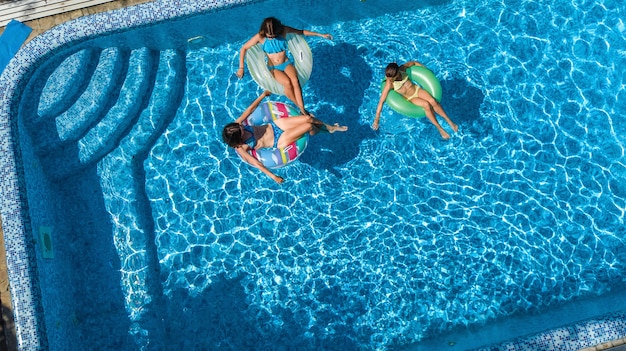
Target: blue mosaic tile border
(570, 338)
(22, 269)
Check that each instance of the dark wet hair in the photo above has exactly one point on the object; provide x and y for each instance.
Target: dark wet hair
(272, 27)
(232, 135)
(392, 70)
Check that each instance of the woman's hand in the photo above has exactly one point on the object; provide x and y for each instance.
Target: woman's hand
(413, 63)
(239, 72)
(278, 179)
(309, 33)
(375, 124)
(267, 93)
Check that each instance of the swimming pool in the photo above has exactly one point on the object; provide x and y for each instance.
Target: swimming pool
(378, 240)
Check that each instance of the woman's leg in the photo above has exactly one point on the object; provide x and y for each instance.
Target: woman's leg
(423, 94)
(292, 73)
(296, 121)
(290, 85)
(295, 127)
(430, 114)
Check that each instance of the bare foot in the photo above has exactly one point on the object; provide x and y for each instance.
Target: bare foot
(444, 134)
(454, 126)
(337, 128)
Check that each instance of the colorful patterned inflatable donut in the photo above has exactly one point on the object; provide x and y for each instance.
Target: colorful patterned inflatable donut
(276, 157)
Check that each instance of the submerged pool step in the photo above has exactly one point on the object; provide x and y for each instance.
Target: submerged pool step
(168, 90)
(105, 136)
(65, 85)
(89, 108)
(125, 198)
(107, 133)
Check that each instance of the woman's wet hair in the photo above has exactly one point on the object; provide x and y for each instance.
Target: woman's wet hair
(271, 27)
(232, 135)
(392, 70)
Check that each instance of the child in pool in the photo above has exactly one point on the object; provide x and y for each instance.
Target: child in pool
(271, 36)
(396, 78)
(278, 133)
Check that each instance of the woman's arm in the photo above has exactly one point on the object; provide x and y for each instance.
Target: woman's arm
(307, 33)
(257, 164)
(252, 106)
(383, 97)
(242, 52)
(412, 63)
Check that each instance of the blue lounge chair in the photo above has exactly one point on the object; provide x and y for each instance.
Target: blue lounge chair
(14, 35)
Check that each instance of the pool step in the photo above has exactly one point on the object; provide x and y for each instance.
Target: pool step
(164, 101)
(88, 109)
(106, 134)
(64, 86)
(123, 177)
(54, 88)
(133, 97)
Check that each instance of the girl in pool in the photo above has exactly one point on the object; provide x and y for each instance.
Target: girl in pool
(272, 37)
(397, 79)
(278, 133)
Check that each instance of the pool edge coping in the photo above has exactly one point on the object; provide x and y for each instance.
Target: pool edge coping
(606, 345)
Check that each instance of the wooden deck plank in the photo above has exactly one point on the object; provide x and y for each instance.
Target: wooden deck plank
(27, 10)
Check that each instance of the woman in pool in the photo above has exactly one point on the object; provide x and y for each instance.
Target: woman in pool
(278, 133)
(272, 37)
(397, 79)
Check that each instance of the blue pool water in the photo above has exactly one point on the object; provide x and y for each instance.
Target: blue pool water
(377, 240)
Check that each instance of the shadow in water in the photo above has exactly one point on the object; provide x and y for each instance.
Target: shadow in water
(94, 302)
(462, 103)
(340, 82)
(224, 318)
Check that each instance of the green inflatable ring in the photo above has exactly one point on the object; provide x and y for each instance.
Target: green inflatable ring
(427, 80)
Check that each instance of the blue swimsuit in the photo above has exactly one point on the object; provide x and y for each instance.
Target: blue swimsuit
(274, 46)
(251, 141)
(277, 133)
